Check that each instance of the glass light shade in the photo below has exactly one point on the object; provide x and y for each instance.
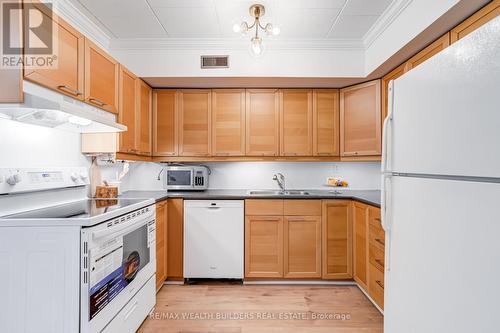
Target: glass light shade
(256, 45)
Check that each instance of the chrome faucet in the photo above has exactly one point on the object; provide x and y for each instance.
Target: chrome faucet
(280, 179)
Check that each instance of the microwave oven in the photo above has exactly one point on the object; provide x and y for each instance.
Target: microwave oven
(186, 178)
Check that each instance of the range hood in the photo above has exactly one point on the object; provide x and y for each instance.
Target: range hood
(45, 107)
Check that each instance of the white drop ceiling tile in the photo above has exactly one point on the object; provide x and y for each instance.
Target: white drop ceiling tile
(189, 22)
(352, 26)
(311, 3)
(307, 22)
(366, 7)
(143, 28)
(115, 8)
(180, 3)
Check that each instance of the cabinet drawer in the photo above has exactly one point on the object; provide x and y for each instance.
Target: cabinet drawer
(377, 258)
(302, 207)
(376, 285)
(377, 234)
(260, 207)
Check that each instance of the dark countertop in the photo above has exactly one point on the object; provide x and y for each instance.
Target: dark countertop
(370, 197)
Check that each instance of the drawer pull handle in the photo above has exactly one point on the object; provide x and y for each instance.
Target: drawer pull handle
(96, 101)
(381, 242)
(380, 283)
(70, 90)
(378, 261)
(377, 219)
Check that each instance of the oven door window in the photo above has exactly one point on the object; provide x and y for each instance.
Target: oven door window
(179, 177)
(114, 265)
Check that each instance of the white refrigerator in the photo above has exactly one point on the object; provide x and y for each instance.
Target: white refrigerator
(441, 191)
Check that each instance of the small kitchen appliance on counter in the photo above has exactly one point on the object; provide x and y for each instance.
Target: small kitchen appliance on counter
(186, 177)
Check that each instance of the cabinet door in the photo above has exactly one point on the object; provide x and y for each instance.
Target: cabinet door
(296, 122)
(431, 50)
(144, 114)
(326, 133)
(101, 78)
(161, 243)
(228, 122)
(67, 76)
(175, 239)
(262, 122)
(165, 122)
(393, 75)
(360, 120)
(337, 239)
(482, 16)
(128, 111)
(302, 247)
(360, 244)
(194, 122)
(263, 246)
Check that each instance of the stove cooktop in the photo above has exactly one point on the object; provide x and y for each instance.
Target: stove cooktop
(82, 209)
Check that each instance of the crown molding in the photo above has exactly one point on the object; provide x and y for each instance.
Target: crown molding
(124, 44)
(79, 19)
(384, 21)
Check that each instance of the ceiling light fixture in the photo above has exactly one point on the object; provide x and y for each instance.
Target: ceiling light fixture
(256, 11)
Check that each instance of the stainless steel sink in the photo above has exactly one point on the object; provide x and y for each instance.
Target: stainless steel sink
(295, 192)
(276, 192)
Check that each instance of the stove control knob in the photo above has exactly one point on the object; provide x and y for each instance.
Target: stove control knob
(14, 179)
(74, 177)
(83, 176)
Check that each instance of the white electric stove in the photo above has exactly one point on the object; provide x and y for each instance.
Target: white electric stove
(69, 263)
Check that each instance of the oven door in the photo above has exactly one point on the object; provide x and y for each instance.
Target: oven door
(118, 258)
(179, 178)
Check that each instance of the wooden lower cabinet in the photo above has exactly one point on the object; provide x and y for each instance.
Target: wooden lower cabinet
(264, 246)
(360, 243)
(175, 239)
(376, 255)
(337, 239)
(161, 243)
(302, 247)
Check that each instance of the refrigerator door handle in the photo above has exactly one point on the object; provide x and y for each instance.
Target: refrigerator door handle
(386, 131)
(385, 214)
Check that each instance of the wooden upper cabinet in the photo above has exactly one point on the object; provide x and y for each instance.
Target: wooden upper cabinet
(326, 132)
(228, 122)
(194, 122)
(128, 111)
(262, 122)
(302, 247)
(431, 50)
(296, 122)
(482, 16)
(144, 118)
(393, 75)
(360, 244)
(165, 114)
(337, 239)
(360, 120)
(263, 246)
(161, 243)
(67, 76)
(101, 78)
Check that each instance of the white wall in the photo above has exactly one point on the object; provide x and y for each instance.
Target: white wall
(258, 175)
(31, 146)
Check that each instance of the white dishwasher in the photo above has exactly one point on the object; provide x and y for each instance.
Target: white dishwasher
(213, 239)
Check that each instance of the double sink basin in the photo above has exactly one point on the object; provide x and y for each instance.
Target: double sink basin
(272, 192)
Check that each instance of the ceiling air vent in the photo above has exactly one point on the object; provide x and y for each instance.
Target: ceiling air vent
(215, 61)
